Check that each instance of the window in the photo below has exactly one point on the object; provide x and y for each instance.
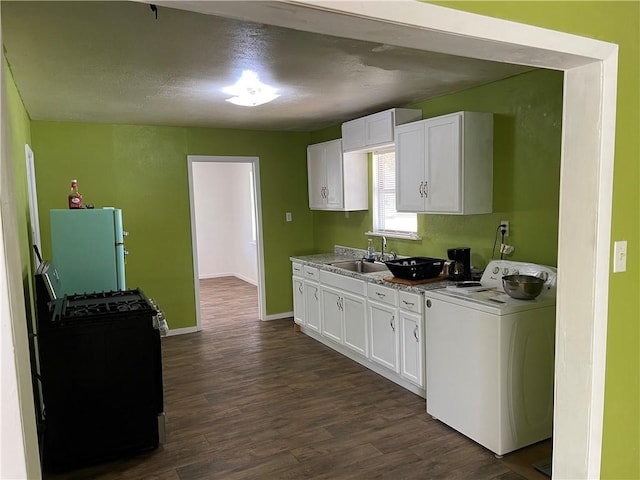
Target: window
(385, 217)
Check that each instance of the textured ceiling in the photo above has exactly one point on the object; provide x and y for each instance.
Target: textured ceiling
(113, 62)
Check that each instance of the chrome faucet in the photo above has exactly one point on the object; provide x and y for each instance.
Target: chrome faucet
(383, 247)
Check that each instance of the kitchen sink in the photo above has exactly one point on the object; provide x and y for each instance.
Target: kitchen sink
(361, 266)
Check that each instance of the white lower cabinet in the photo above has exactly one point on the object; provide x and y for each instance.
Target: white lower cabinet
(332, 315)
(355, 324)
(412, 356)
(377, 326)
(383, 320)
(298, 300)
(384, 335)
(312, 305)
(412, 348)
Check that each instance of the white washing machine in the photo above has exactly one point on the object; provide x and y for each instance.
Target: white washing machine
(490, 359)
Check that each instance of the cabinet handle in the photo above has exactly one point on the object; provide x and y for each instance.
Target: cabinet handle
(300, 288)
(338, 303)
(326, 192)
(426, 191)
(381, 295)
(391, 322)
(342, 304)
(415, 333)
(428, 303)
(420, 189)
(408, 303)
(315, 294)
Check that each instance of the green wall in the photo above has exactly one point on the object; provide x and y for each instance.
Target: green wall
(143, 170)
(615, 22)
(20, 134)
(527, 134)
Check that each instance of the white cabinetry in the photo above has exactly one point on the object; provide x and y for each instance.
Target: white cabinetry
(312, 298)
(445, 164)
(411, 338)
(383, 318)
(343, 311)
(374, 131)
(377, 326)
(332, 314)
(298, 293)
(337, 181)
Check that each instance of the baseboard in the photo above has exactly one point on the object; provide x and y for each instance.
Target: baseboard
(182, 331)
(278, 316)
(230, 274)
(215, 275)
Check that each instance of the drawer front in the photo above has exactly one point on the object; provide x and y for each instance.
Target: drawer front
(382, 294)
(410, 301)
(342, 282)
(297, 269)
(311, 273)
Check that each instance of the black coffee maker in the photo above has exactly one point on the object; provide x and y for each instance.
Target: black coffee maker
(459, 265)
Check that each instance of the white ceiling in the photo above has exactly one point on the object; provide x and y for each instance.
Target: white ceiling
(113, 62)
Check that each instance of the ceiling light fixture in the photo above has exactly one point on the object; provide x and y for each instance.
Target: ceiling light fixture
(249, 91)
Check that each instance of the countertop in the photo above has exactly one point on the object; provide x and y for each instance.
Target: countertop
(322, 261)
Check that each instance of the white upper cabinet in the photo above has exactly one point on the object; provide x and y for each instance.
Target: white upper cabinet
(377, 130)
(445, 164)
(337, 180)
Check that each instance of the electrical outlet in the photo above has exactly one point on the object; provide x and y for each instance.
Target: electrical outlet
(505, 225)
(288, 216)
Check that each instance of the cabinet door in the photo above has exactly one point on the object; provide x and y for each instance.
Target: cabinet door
(316, 176)
(443, 169)
(334, 192)
(332, 307)
(298, 301)
(353, 133)
(384, 335)
(410, 167)
(379, 129)
(312, 305)
(412, 356)
(355, 324)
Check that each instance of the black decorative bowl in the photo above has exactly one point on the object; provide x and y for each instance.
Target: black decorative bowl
(415, 268)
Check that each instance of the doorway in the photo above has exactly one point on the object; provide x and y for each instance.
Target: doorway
(226, 231)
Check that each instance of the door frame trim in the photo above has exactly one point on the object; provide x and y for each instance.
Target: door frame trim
(255, 165)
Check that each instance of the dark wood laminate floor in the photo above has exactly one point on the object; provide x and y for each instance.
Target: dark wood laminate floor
(246, 399)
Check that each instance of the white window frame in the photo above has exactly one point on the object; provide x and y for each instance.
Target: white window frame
(377, 220)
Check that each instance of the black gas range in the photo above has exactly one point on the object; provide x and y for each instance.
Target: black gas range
(101, 364)
(92, 306)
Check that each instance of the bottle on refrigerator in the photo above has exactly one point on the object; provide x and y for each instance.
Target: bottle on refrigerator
(75, 197)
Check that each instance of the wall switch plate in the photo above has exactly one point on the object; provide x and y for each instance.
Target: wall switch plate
(620, 256)
(288, 216)
(505, 225)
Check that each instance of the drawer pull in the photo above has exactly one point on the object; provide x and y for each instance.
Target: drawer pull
(381, 295)
(410, 304)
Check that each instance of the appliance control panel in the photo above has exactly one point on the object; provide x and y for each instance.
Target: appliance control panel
(492, 276)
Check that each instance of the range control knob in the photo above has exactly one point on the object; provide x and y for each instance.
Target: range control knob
(496, 270)
(516, 272)
(505, 271)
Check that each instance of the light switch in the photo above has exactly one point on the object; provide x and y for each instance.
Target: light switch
(288, 216)
(620, 256)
